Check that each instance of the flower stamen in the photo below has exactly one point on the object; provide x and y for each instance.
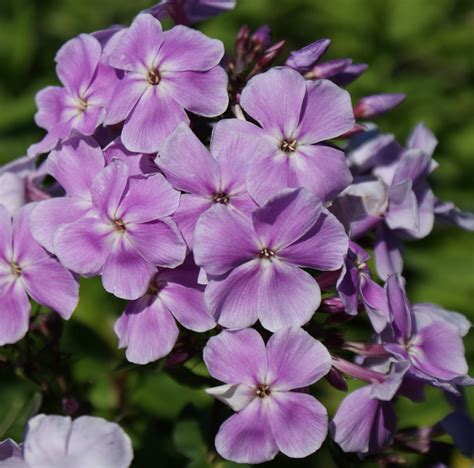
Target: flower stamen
(154, 77)
(119, 225)
(16, 269)
(221, 198)
(81, 104)
(288, 146)
(266, 253)
(262, 391)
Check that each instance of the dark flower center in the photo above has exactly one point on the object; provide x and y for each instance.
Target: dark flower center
(221, 198)
(288, 146)
(81, 104)
(262, 391)
(119, 225)
(154, 77)
(16, 269)
(266, 253)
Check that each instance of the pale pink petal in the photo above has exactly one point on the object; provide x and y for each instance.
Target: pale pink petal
(246, 436)
(275, 99)
(327, 112)
(237, 396)
(323, 247)
(299, 423)
(295, 359)
(237, 357)
(152, 120)
(202, 92)
(126, 274)
(51, 285)
(51, 102)
(14, 313)
(147, 329)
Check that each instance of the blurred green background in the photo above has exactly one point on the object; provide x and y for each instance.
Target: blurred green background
(423, 48)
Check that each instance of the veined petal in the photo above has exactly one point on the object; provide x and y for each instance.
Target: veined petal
(77, 62)
(201, 92)
(51, 102)
(187, 163)
(295, 359)
(147, 329)
(299, 423)
(399, 306)
(246, 436)
(51, 285)
(237, 357)
(323, 247)
(275, 99)
(6, 235)
(223, 239)
(152, 120)
(14, 314)
(327, 112)
(187, 49)
(388, 252)
(286, 217)
(237, 396)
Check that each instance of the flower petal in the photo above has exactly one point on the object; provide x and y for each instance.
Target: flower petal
(327, 112)
(100, 443)
(299, 423)
(187, 49)
(126, 274)
(187, 306)
(14, 314)
(201, 92)
(286, 217)
(295, 360)
(77, 62)
(159, 242)
(51, 103)
(245, 437)
(187, 163)
(237, 357)
(147, 199)
(223, 239)
(275, 99)
(75, 164)
(388, 252)
(141, 132)
(321, 169)
(147, 329)
(237, 396)
(323, 247)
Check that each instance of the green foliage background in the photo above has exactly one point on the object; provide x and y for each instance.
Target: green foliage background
(423, 48)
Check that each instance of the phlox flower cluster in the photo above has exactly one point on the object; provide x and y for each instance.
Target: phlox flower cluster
(223, 196)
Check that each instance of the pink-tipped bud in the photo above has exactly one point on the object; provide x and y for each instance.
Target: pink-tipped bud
(377, 104)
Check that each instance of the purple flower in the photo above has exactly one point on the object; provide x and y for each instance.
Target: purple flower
(426, 336)
(190, 11)
(74, 164)
(363, 423)
(356, 284)
(56, 441)
(126, 234)
(377, 104)
(258, 385)
(26, 269)
(165, 73)
(80, 104)
(209, 178)
(296, 116)
(255, 262)
(147, 327)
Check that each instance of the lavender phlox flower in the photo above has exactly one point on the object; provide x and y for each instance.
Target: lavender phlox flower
(259, 383)
(147, 327)
(126, 234)
(377, 104)
(59, 442)
(74, 164)
(356, 285)
(78, 106)
(190, 11)
(254, 263)
(26, 269)
(426, 336)
(365, 420)
(207, 177)
(296, 118)
(165, 73)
